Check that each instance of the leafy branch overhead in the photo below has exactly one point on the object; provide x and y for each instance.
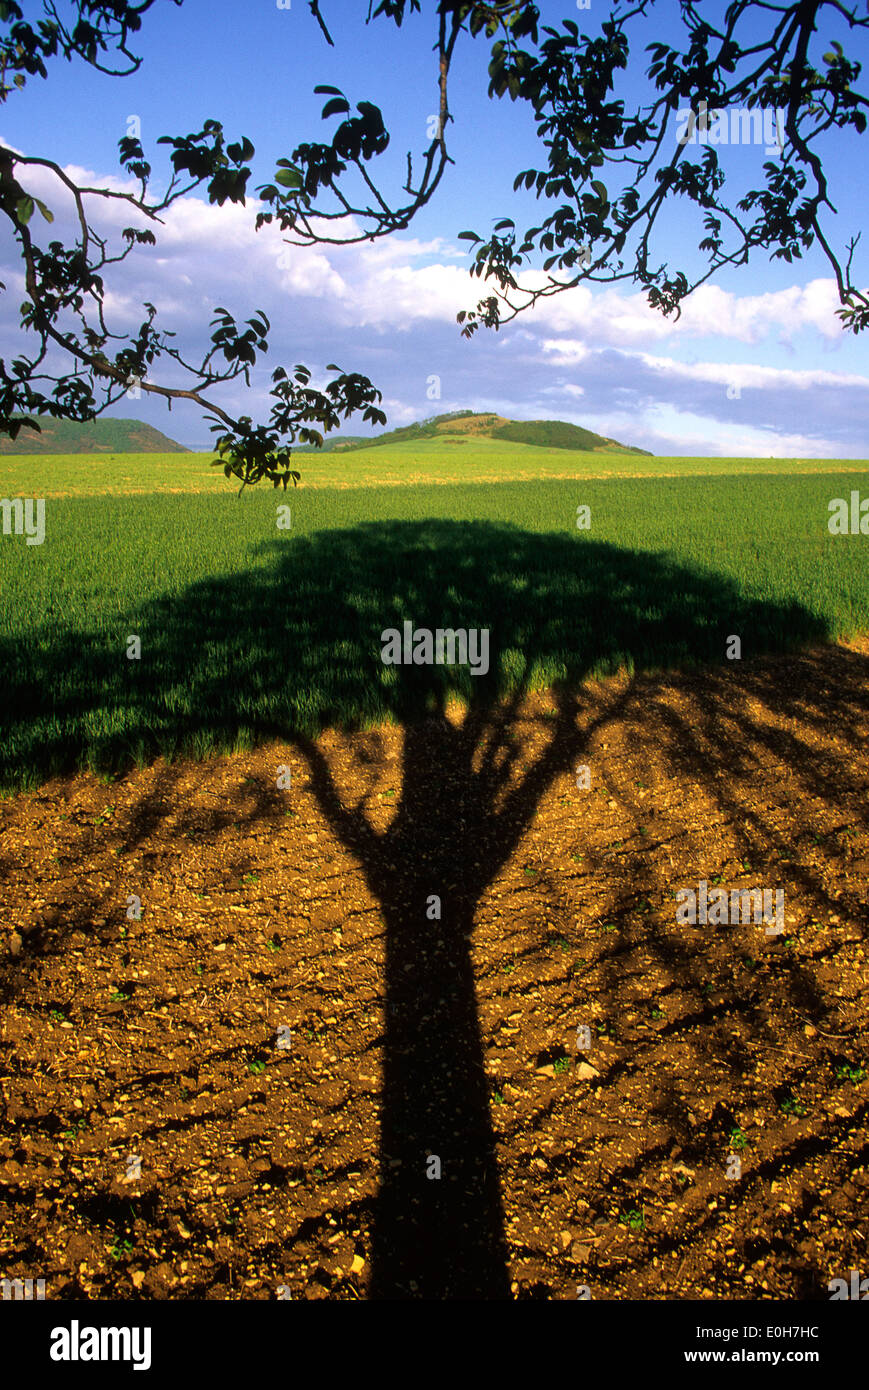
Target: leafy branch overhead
(65, 307)
(758, 57)
(615, 165)
(611, 170)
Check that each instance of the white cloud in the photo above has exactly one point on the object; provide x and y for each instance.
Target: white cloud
(398, 413)
(566, 352)
(394, 283)
(586, 351)
(744, 375)
(611, 317)
(684, 433)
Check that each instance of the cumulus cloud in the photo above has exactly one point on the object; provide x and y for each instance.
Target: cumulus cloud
(626, 320)
(388, 309)
(399, 282)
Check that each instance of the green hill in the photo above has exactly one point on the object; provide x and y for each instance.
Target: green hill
(106, 436)
(545, 434)
(113, 436)
(557, 434)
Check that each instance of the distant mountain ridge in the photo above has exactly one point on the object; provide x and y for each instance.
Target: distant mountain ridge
(544, 434)
(106, 436)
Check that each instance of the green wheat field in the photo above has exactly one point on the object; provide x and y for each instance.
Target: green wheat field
(252, 631)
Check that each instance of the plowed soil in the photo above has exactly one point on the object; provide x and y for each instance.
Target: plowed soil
(290, 1078)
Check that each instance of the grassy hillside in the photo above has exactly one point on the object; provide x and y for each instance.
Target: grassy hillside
(556, 434)
(546, 434)
(103, 436)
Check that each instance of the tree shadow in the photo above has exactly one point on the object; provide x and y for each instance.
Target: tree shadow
(293, 646)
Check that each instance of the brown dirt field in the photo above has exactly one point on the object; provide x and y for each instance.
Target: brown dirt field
(302, 1170)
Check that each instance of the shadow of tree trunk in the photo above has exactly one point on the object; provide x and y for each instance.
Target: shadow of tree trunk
(439, 1227)
(293, 646)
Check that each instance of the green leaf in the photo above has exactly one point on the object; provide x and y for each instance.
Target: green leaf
(46, 212)
(337, 106)
(469, 236)
(24, 209)
(289, 178)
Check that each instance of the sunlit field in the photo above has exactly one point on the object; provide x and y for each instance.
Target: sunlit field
(250, 630)
(448, 459)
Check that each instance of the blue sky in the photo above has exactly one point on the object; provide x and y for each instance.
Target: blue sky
(758, 365)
